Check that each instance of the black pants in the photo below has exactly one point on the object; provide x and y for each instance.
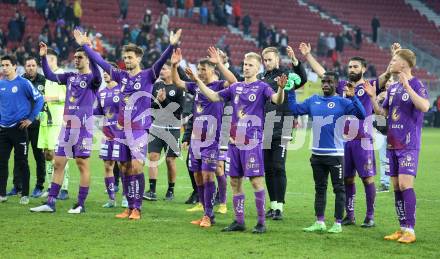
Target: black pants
(17, 139)
(275, 171)
(116, 173)
(38, 156)
(322, 166)
(191, 174)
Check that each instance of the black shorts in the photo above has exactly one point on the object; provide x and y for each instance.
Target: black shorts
(164, 141)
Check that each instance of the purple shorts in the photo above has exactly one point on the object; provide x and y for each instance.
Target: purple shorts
(402, 161)
(244, 163)
(74, 142)
(205, 159)
(359, 156)
(111, 150)
(222, 155)
(133, 145)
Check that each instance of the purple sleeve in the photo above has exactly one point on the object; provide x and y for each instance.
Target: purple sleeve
(191, 87)
(268, 92)
(157, 66)
(96, 58)
(96, 80)
(340, 87)
(420, 89)
(226, 94)
(59, 78)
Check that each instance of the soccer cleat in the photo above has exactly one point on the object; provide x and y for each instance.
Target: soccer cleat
(235, 226)
(259, 229)
(348, 221)
(45, 194)
(335, 229)
(116, 188)
(193, 198)
(383, 188)
(44, 208)
(395, 236)
(198, 207)
(135, 214)
(278, 215)
(150, 196)
(13, 192)
(24, 200)
(124, 215)
(64, 195)
(3, 198)
(316, 227)
(124, 202)
(270, 213)
(76, 209)
(36, 193)
(222, 209)
(109, 204)
(407, 238)
(169, 196)
(196, 222)
(206, 222)
(368, 223)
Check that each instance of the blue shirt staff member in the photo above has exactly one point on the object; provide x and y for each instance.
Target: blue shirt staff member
(328, 147)
(16, 115)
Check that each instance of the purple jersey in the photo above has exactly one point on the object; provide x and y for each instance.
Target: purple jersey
(202, 108)
(108, 105)
(365, 126)
(248, 102)
(404, 120)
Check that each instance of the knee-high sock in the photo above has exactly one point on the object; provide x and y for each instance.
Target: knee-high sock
(409, 197)
(238, 201)
(350, 194)
(139, 188)
(370, 195)
(65, 185)
(53, 193)
(129, 181)
(260, 200)
(110, 186)
(82, 195)
(209, 197)
(201, 192)
(400, 208)
(221, 181)
(124, 185)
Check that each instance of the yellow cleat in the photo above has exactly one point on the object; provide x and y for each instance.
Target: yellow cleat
(206, 222)
(198, 207)
(124, 215)
(197, 221)
(222, 209)
(407, 238)
(395, 236)
(135, 214)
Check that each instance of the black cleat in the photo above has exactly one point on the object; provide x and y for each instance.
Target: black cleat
(368, 223)
(259, 229)
(348, 221)
(235, 226)
(169, 196)
(277, 215)
(193, 198)
(150, 196)
(270, 213)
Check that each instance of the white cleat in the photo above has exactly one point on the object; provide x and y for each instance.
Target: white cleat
(24, 200)
(43, 208)
(77, 209)
(124, 202)
(45, 194)
(3, 198)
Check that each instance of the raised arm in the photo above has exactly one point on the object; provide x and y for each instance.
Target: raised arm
(354, 107)
(175, 61)
(210, 94)
(371, 91)
(297, 66)
(216, 59)
(278, 98)
(174, 40)
(96, 80)
(420, 102)
(306, 51)
(59, 78)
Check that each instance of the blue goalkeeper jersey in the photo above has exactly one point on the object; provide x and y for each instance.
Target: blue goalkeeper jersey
(16, 98)
(328, 115)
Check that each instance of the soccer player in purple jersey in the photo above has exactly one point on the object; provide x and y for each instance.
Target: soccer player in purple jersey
(204, 147)
(108, 106)
(134, 115)
(404, 105)
(245, 153)
(358, 150)
(75, 139)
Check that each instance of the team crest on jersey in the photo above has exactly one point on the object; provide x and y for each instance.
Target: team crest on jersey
(331, 105)
(172, 93)
(14, 89)
(40, 87)
(361, 92)
(83, 84)
(405, 97)
(137, 86)
(115, 99)
(395, 116)
(252, 97)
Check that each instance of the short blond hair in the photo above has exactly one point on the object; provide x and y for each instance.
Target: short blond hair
(270, 49)
(253, 55)
(408, 55)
